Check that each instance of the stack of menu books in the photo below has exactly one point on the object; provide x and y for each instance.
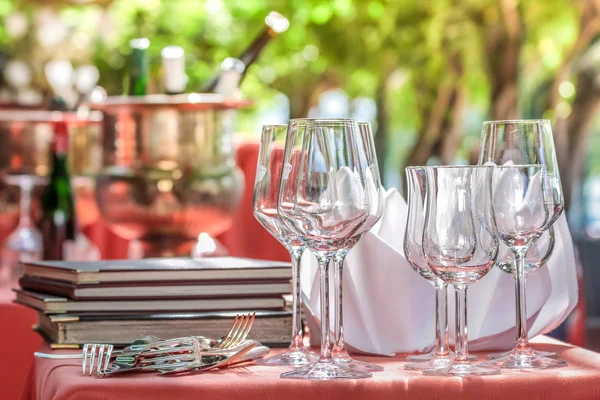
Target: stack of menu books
(119, 301)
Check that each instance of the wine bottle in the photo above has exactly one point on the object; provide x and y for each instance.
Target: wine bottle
(138, 67)
(275, 24)
(58, 224)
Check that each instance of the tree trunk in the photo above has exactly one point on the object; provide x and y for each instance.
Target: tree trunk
(503, 43)
(570, 134)
(430, 132)
(583, 112)
(589, 26)
(452, 132)
(381, 135)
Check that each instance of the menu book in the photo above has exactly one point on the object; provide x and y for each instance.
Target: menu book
(270, 327)
(156, 290)
(159, 270)
(55, 305)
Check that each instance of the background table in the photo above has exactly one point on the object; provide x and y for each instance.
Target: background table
(580, 380)
(246, 238)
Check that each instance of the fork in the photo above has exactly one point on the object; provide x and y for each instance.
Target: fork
(238, 333)
(102, 352)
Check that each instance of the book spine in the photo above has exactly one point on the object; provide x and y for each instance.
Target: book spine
(54, 290)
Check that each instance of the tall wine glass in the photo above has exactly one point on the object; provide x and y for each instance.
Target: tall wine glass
(322, 199)
(523, 208)
(524, 142)
(538, 255)
(266, 189)
(460, 245)
(374, 190)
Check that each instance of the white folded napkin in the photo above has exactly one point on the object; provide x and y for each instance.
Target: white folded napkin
(389, 308)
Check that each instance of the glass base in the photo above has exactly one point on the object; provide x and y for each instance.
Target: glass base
(343, 359)
(433, 363)
(495, 356)
(527, 360)
(431, 355)
(354, 364)
(294, 356)
(326, 370)
(464, 369)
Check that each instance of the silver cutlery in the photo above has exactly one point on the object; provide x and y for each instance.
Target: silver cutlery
(176, 355)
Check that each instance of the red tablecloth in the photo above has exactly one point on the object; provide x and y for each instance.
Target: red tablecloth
(17, 342)
(247, 238)
(580, 380)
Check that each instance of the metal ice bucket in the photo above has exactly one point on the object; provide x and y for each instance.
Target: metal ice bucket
(169, 169)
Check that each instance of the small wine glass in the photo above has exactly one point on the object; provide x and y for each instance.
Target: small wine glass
(25, 243)
(460, 245)
(266, 189)
(322, 199)
(524, 142)
(441, 356)
(375, 191)
(523, 207)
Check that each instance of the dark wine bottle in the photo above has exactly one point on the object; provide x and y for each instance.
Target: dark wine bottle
(58, 224)
(138, 67)
(275, 24)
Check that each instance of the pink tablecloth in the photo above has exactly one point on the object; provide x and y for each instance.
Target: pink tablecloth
(581, 380)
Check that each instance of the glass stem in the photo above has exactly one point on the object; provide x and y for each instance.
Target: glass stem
(338, 323)
(462, 352)
(441, 319)
(325, 340)
(296, 256)
(521, 302)
(25, 204)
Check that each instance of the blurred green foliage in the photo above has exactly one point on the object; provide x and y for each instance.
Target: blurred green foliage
(357, 45)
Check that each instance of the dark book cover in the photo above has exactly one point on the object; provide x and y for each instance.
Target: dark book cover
(157, 290)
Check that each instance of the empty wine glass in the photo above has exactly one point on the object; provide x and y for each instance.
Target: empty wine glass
(441, 356)
(460, 245)
(537, 256)
(374, 190)
(25, 242)
(322, 199)
(524, 142)
(266, 189)
(523, 208)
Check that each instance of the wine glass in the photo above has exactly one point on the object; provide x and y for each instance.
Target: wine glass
(525, 142)
(523, 208)
(537, 256)
(266, 189)
(460, 245)
(25, 242)
(322, 199)
(375, 191)
(441, 356)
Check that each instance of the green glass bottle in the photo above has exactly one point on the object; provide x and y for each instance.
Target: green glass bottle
(138, 67)
(58, 224)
